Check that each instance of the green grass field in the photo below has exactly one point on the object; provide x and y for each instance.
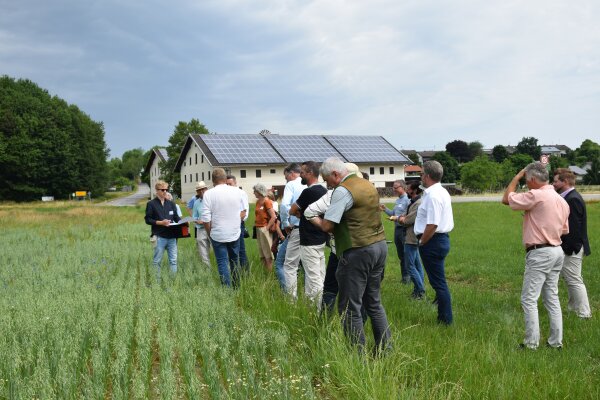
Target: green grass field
(82, 317)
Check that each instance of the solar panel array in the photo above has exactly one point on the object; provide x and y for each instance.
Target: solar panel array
(241, 149)
(364, 149)
(300, 148)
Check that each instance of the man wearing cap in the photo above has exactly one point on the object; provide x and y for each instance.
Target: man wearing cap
(202, 239)
(400, 208)
(546, 220)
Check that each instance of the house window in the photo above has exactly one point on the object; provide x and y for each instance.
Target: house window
(185, 179)
(381, 170)
(372, 171)
(258, 173)
(196, 156)
(209, 175)
(190, 160)
(273, 171)
(242, 173)
(203, 176)
(391, 170)
(196, 177)
(190, 177)
(202, 158)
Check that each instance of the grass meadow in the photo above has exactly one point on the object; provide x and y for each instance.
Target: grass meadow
(82, 317)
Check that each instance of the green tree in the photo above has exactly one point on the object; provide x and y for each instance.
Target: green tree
(520, 161)
(48, 146)
(593, 174)
(499, 153)
(459, 150)
(414, 157)
(475, 149)
(176, 142)
(451, 168)
(507, 171)
(481, 174)
(589, 149)
(558, 162)
(132, 163)
(529, 145)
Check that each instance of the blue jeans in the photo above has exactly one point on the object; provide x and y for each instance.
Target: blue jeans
(243, 256)
(279, 263)
(433, 254)
(227, 256)
(415, 269)
(399, 237)
(171, 246)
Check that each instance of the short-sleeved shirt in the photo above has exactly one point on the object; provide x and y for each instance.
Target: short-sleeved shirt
(400, 208)
(310, 235)
(261, 213)
(197, 212)
(221, 207)
(435, 209)
(546, 215)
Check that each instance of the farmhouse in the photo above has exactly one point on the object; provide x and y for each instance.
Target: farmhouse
(152, 166)
(255, 158)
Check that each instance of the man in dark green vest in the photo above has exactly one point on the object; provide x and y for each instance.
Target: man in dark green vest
(353, 218)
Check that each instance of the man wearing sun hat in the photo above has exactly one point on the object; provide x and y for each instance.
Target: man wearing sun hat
(202, 239)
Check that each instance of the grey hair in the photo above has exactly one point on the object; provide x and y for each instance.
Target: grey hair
(537, 171)
(260, 188)
(401, 182)
(434, 170)
(333, 164)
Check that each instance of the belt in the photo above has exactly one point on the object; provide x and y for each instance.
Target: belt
(539, 246)
(435, 234)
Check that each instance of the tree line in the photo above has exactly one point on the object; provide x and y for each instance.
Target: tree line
(467, 164)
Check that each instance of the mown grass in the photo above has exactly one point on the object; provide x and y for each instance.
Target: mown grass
(84, 318)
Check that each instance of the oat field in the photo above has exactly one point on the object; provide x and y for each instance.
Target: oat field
(82, 317)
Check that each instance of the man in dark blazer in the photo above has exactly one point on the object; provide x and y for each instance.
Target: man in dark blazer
(575, 244)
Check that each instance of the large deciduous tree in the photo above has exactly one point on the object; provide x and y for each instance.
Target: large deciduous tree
(176, 142)
(499, 153)
(481, 175)
(529, 146)
(459, 150)
(475, 149)
(451, 168)
(47, 147)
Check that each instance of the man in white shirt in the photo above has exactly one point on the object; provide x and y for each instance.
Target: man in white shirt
(290, 223)
(433, 223)
(231, 181)
(222, 212)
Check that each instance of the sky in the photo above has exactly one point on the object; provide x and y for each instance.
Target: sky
(420, 73)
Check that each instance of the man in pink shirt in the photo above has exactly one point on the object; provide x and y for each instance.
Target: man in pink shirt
(545, 221)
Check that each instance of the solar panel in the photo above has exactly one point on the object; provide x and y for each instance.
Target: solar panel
(363, 149)
(241, 149)
(300, 148)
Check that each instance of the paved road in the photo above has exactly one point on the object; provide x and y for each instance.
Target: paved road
(143, 193)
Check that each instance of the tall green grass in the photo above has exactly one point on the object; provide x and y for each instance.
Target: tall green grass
(83, 317)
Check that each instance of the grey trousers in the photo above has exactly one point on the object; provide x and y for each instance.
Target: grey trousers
(542, 270)
(578, 298)
(359, 278)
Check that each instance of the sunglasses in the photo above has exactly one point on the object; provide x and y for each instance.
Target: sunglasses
(163, 190)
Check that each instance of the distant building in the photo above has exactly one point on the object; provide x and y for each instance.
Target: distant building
(412, 173)
(254, 158)
(578, 171)
(152, 167)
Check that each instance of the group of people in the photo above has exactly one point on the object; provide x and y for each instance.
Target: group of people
(347, 218)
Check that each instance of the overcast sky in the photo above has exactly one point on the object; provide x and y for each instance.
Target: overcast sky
(420, 73)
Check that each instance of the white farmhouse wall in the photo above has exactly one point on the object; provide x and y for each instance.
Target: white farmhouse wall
(195, 168)
(154, 176)
(391, 172)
